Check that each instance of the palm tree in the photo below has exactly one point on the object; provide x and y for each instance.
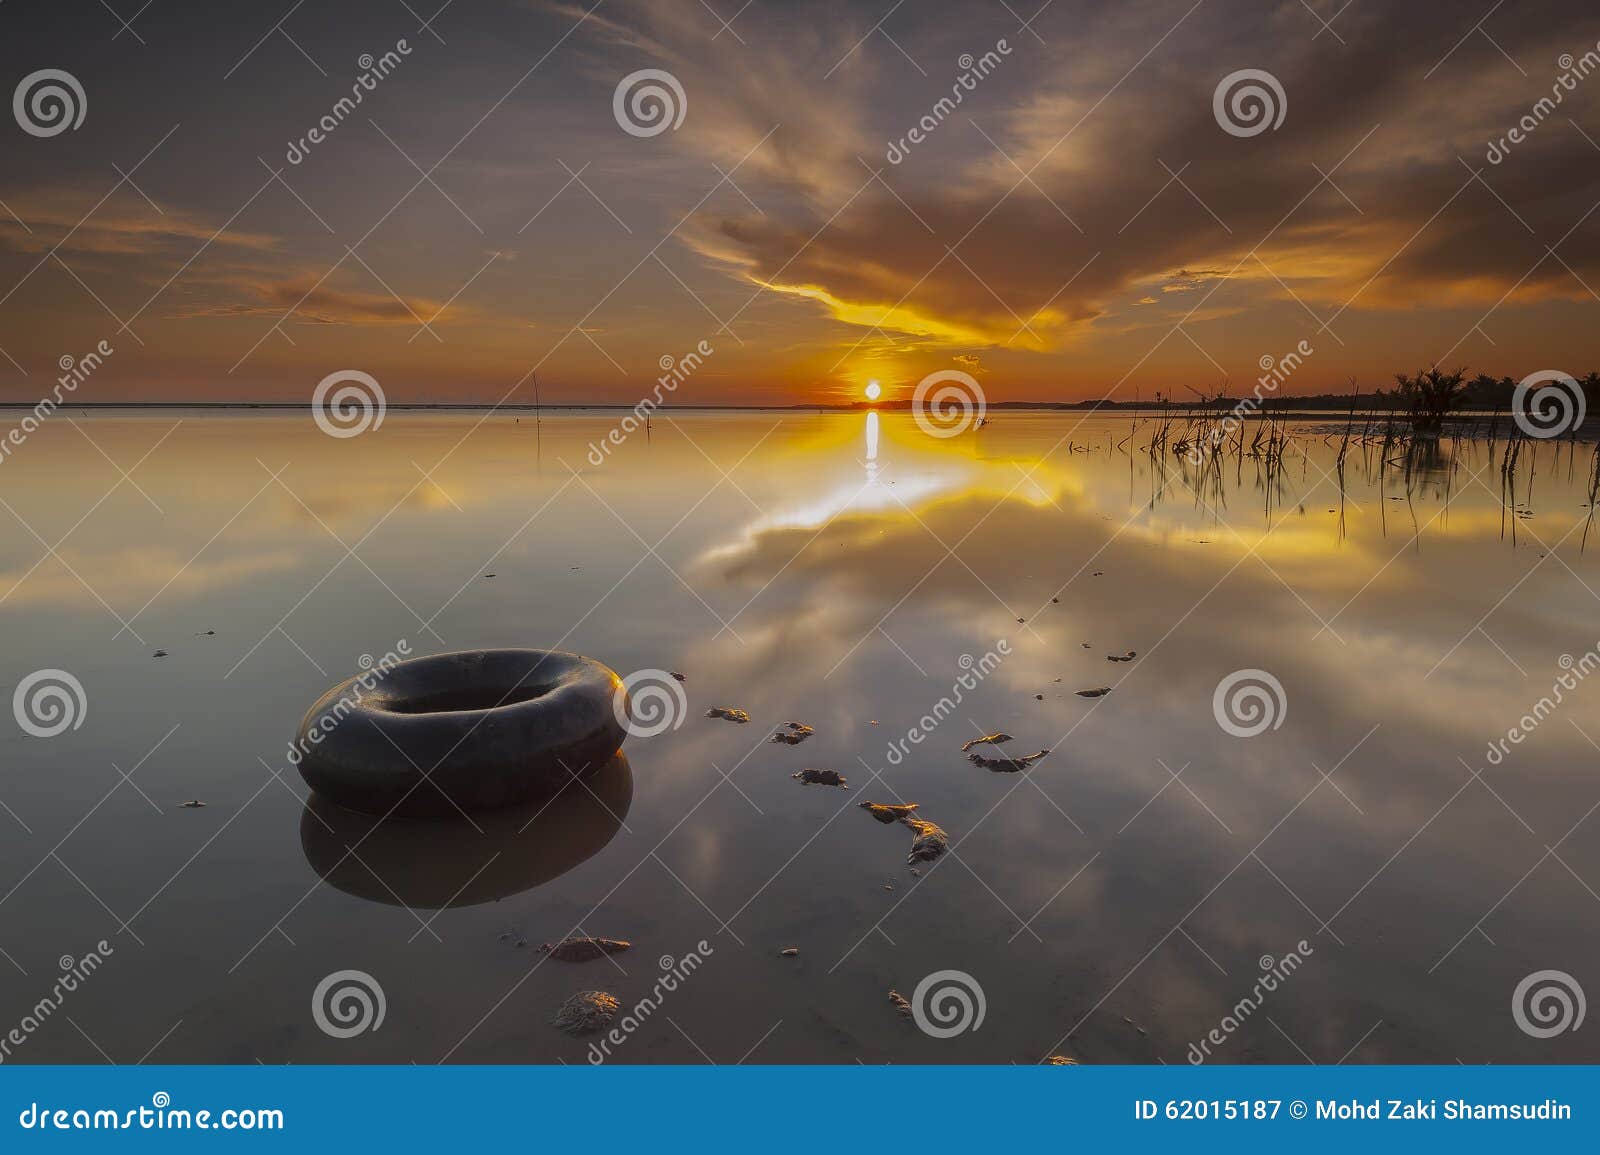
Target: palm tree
(1430, 396)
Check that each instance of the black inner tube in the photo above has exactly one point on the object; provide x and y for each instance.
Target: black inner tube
(461, 698)
(452, 734)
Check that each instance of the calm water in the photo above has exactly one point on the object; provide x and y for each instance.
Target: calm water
(831, 571)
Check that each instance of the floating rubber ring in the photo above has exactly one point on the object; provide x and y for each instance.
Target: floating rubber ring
(457, 733)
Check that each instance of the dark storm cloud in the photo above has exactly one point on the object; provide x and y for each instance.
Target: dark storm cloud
(1089, 139)
(1078, 200)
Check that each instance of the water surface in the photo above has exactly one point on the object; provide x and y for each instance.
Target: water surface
(1114, 903)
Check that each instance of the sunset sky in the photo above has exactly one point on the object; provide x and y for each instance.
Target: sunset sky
(1079, 225)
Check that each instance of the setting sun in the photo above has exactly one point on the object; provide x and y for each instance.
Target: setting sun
(874, 390)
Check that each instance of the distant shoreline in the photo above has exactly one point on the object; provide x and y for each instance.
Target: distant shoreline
(1366, 410)
(1284, 405)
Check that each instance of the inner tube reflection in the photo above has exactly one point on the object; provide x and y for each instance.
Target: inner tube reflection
(438, 864)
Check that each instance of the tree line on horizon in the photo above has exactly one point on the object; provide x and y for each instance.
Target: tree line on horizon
(1428, 396)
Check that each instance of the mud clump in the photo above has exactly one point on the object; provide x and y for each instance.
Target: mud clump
(930, 841)
(731, 713)
(1006, 764)
(586, 1012)
(992, 739)
(899, 1003)
(793, 733)
(582, 949)
(887, 812)
(820, 777)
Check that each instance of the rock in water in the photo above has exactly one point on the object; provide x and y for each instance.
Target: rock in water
(900, 1004)
(793, 734)
(820, 777)
(992, 739)
(888, 812)
(731, 713)
(585, 1012)
(930, 841)
(583, 949)
(1098, 692)
(1062, 1061)
(1006, 764)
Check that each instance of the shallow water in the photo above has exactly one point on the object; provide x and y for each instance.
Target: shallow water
(1113, 903)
